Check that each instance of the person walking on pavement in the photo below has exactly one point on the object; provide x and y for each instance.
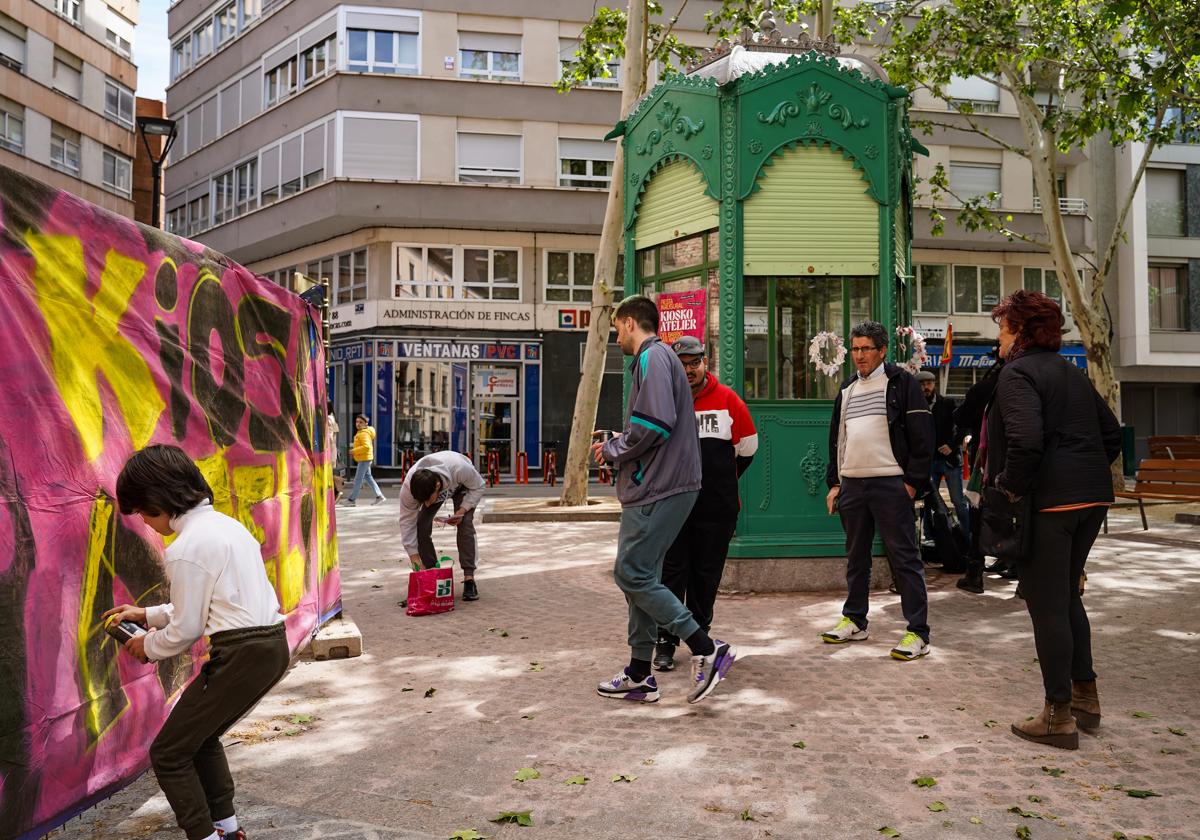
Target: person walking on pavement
(969, 418)
(658, 455)
(1051, 436)
(335, 454)
(427, 485)
(880, 448)
(947, 463)
(728, 440)
(363, 452)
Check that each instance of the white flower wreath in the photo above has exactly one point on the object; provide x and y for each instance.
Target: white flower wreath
(919, 356)
(833, 342)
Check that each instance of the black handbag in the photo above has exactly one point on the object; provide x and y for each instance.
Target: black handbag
(1004, 525)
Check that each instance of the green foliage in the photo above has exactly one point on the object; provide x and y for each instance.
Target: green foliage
(518, 817)
(799, 745)
(526, 773)
(924, 781)
(888, 831)
(746, 815)
(936, 806)
(1143, 714)
(1052, 771)
(602, 42)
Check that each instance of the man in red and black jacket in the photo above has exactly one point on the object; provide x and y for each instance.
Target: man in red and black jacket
(728, 440)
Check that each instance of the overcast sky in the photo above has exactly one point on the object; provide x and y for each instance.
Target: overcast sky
(151, 49)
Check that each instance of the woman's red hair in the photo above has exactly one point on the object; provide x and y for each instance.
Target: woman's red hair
(1036, 320)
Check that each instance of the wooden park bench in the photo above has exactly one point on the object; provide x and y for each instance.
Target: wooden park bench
(1175, 447)
(1175, 480)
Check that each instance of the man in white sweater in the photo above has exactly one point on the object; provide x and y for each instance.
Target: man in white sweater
(219, 589)
(427, 485)
(880, 448)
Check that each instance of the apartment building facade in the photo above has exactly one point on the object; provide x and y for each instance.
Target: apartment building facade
(67, 83)
(421, 160)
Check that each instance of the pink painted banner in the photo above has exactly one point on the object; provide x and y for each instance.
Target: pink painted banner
(114, 336)
(680, 314)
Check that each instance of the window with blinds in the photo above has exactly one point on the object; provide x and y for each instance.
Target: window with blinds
(489, 158)
(12, 44)
(585, 163)
(975, 180)
(1164, 202)
(489, 55)
(68, 73)
(973, 94)
(380, 147)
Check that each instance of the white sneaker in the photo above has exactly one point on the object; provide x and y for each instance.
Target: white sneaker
(911, 647)
(845, 631)
(623, 687)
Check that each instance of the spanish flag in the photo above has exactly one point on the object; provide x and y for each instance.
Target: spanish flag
(948, 347)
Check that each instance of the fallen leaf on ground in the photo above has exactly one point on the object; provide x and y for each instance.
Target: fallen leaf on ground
(1052, 771)
(406, 689)
(936, 806)
(468, 834)
(989, 723)
(1033, 798)
(526, 717)
(1174, 730)
(623, 777)
(536, 666)
(647, 761)
(429, 692)
(1021, 812)
(1023, 832)
(526, 773)
(715, 809)
(888, 831)
(377, 586)
(1143, 714)
(291, 732)
(503, 634)
(746, 815)
(518, 817)
(577, 780)
(924, 781)
(960, 708)
(298, 719)
(1141, 794)
(975, 821)
(799, 745)
(922, 737)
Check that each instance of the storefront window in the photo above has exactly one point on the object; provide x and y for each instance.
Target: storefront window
(782, 314)
(423, 412)
(682, 266)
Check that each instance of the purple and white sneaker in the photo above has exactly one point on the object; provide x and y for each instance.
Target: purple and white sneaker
(622, 687)
(709, 670)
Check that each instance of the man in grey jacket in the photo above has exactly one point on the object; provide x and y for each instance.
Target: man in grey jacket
(427, 485)
(657, 458)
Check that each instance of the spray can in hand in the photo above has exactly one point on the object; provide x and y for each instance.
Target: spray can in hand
(123, 631)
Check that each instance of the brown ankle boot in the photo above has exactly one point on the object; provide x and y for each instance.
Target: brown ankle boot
(1054, 727)
(1085, 704)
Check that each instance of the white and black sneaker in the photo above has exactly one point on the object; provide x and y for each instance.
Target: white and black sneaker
(709, 670)
(623, 687)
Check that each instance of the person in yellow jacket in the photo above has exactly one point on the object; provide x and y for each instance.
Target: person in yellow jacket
(363, 453)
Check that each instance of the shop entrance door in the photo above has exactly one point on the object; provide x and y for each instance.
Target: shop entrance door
(495, 425)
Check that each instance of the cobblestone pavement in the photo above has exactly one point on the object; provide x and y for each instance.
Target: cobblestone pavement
(804, 741)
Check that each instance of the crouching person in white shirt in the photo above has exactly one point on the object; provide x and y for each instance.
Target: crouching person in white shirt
(219, 588)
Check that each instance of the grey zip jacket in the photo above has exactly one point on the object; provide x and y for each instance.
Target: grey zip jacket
(659, 452)
(456, 471)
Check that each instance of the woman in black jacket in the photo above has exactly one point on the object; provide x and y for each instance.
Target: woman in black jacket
(1052, 437)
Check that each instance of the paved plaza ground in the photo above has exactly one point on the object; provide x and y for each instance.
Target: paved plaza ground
(422, 735)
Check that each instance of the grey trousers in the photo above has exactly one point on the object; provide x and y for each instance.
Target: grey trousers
(467, 549)
(645, 535)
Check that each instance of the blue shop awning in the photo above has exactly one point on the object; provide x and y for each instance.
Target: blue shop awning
(977, 355)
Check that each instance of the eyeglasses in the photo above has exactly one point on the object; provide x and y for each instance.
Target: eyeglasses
(694, 363)
(866, 349)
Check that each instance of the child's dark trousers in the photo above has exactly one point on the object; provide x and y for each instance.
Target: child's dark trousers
(187, 755)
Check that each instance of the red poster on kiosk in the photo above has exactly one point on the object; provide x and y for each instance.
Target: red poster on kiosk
(680, 314)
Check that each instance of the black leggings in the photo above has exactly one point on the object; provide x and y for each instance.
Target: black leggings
(1050, 584)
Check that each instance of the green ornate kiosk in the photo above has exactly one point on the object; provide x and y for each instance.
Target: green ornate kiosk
(775, 176)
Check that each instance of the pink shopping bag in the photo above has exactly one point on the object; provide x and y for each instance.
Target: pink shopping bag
(430, 591)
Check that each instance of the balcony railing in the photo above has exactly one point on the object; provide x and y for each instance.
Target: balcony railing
(1070, 206)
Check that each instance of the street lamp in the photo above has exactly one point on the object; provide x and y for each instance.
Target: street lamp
(156, 127)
